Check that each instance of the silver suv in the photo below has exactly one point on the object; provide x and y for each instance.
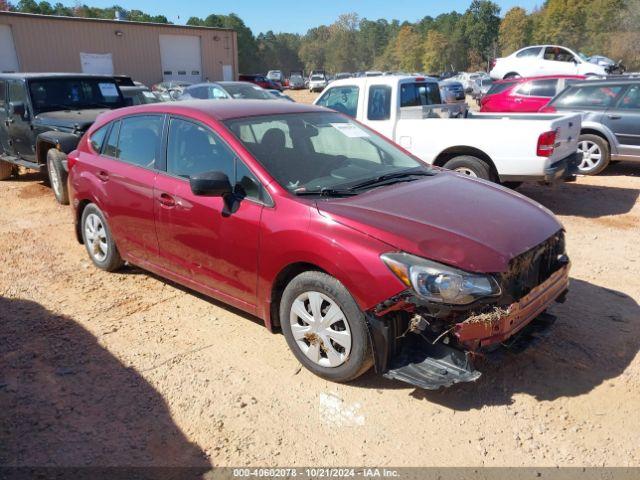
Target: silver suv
(610, 123)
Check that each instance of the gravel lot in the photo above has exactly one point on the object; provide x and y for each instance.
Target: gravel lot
(128, 369)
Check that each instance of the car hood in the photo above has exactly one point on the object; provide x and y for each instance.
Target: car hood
(462, 222)
(69, 119)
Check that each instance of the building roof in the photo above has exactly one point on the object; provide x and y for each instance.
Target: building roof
(29, 75)
(109, 21)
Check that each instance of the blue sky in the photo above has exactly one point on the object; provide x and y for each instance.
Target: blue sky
(298, 16)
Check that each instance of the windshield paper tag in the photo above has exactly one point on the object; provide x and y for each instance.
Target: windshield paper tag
(350, 130)
(108, 89)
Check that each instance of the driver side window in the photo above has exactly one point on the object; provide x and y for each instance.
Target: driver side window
(194, 149)
(341, 99)
(557, 54)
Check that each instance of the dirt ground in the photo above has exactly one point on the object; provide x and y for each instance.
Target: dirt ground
(128, 369)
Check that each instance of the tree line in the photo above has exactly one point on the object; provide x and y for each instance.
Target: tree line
(451, 41)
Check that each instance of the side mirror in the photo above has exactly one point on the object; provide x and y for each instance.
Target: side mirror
(17, 108)
(211, 184)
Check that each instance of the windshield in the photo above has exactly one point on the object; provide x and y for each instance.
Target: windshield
(74, 93)
(317, 77)
(240, 91)
(583, 57)
(310, 152)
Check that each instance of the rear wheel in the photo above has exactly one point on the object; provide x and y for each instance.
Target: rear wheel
(324, 327)
(471, 166)
(57, 176)
(6, 170)
(98, 240)
(595, 154)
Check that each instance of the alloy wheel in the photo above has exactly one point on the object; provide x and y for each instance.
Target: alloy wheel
(96, 237)
(591, 156)
(320, 329)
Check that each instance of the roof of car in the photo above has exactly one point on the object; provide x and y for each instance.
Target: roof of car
(222, 110)
(540, 77)
(20, 75)
(608, 81)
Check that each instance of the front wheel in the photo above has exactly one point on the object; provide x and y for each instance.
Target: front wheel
(595, 154)
(324, 327)
(58, 176)
(471, 166)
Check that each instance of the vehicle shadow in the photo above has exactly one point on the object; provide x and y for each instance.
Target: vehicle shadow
(582, 200)
(595, 338)
(622, 169)
(66, 401)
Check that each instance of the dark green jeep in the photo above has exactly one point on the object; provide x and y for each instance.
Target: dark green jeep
(44, 115)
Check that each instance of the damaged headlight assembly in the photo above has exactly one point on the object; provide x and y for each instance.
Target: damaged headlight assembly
(439, 283)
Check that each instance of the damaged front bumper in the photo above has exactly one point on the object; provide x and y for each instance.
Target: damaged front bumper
(405, 350)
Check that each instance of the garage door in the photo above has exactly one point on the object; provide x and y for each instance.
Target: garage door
(8, 57)
(181, 58)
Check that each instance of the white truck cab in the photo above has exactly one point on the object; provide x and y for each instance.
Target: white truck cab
(497, 147)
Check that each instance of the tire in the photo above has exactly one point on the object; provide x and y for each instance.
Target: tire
(511, 75)
(57, 176)
(98, 240)
(596, 154)
(471, 166)
(6, 170)
(338, 362)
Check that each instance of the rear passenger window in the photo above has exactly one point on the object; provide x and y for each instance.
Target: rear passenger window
(139, 140)
(529, 52)
(379, 102)
(97, 138)
(419, 94)
(341, 99)
(194, 149)
(588, 96)
(538, 88)
(111, 147)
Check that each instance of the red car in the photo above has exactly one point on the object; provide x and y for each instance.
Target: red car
(261, 81)
(522, 95)
(359, 252)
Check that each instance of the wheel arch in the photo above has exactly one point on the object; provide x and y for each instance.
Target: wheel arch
(62, 141)
(443, 157)
(599, 133)
(282, 279)
(82, 204)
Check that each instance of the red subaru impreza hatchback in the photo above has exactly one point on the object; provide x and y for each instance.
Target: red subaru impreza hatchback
(359, 252)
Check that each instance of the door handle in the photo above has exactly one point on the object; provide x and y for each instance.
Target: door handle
(102, 175)
(167, 200)
(614, 117)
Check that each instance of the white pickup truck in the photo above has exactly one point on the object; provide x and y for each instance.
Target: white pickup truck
(507, 148)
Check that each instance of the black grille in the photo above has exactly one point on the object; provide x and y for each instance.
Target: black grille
(533, 267)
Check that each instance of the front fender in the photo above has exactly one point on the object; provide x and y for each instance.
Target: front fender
(63, 141)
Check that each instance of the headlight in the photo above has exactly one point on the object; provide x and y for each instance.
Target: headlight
(439, 283)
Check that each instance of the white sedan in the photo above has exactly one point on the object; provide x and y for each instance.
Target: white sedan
(540, 60)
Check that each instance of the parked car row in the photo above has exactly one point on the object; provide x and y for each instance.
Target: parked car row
(610, 110)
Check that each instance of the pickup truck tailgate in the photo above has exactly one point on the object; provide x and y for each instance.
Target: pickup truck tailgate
(567, 130)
